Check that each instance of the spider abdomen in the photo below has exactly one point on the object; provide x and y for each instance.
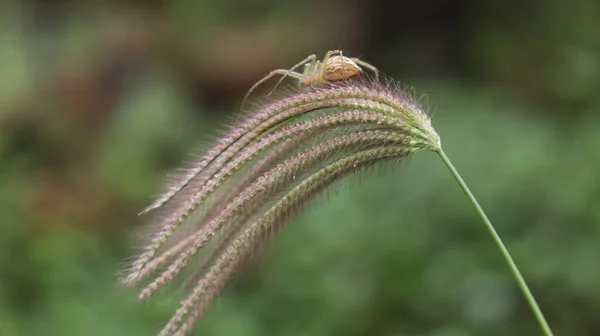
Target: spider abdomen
(339, 68)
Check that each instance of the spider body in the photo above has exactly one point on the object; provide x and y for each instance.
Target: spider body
(334, 67)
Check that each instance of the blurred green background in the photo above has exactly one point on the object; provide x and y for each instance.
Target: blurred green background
(99, 100)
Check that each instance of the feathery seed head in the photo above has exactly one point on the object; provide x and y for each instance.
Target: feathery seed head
(266, 167)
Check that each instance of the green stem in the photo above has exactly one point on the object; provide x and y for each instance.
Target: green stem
(520, 280)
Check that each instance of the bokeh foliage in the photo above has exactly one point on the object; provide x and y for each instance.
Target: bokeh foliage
(100, 99)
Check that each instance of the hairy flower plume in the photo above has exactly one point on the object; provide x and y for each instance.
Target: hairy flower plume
(264, 169)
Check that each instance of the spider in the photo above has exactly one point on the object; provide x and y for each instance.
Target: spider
(334, 67)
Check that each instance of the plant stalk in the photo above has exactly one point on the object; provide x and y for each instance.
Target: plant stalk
(515, 270)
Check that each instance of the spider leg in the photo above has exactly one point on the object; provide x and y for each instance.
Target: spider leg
(312, 72)
(368, 66)
(310, 60)
(267, 77)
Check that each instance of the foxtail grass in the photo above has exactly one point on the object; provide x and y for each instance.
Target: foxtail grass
(266, 168)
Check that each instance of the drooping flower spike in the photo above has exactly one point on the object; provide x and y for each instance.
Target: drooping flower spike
(269, 166)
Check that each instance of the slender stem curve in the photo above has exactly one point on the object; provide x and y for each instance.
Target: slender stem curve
(513, 267)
